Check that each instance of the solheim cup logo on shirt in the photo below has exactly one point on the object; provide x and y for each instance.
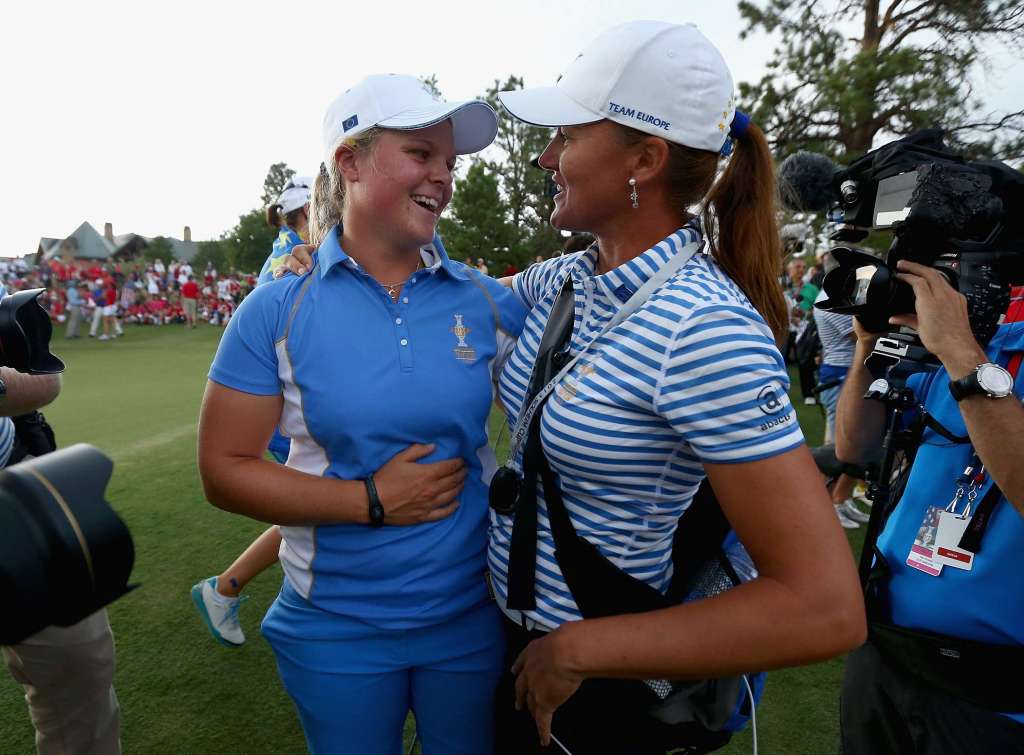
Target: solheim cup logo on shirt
(463, 351)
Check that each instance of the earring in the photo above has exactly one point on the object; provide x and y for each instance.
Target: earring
(633, 195)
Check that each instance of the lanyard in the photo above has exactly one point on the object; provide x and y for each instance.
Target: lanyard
(521, 429)
(973, 477)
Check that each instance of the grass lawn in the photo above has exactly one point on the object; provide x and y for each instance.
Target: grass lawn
(137, 399)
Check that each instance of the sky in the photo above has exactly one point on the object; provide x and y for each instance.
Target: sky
(154, 116)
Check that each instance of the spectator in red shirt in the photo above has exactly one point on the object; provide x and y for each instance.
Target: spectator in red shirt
(110, 312)
(190, 301)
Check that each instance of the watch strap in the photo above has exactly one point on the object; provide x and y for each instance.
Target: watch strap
(970, 384)
(966, 386)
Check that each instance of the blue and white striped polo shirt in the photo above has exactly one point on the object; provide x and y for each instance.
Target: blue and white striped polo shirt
(692, 376)
(835, 330)
(6, 423)
(6, 439)
(363, 377)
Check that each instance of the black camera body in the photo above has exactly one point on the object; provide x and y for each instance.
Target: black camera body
(963, 218)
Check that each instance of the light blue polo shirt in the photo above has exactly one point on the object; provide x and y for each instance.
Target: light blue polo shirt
(986, 603)
(286, 240)
(364, 377)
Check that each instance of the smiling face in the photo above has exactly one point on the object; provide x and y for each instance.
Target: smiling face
(589, 165)
(402, 184)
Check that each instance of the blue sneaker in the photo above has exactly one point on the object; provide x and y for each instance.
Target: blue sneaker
(219, 612)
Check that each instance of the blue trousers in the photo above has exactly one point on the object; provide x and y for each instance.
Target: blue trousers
(353, 684)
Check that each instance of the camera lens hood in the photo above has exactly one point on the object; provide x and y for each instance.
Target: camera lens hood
(64, 553)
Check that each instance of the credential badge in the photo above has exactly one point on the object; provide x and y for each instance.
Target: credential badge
(463, 351)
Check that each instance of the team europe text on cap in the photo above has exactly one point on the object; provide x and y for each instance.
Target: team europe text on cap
(659, 78)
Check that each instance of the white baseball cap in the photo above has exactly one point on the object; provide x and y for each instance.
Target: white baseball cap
(402, 102)
(295, 193)
(659, 78)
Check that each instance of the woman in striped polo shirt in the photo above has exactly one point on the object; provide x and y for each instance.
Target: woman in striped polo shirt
(690, 384)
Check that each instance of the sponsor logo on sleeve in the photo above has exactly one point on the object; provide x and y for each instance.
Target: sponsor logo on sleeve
(771, 400)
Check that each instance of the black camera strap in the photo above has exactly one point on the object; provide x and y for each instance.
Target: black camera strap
(523, 544)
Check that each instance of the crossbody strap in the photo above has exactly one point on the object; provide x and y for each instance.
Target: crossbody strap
(557, 332)
(656, 281)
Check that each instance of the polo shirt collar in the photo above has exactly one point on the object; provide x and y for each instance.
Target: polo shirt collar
(622, 282)
(330, 254)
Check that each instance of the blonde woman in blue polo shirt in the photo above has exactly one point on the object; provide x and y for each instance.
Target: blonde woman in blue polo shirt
(690, 384)
(379, 365)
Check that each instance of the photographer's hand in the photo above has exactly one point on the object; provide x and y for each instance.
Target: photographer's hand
(941, 320)
(945, 330)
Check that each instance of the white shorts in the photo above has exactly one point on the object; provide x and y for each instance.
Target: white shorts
(109, 310)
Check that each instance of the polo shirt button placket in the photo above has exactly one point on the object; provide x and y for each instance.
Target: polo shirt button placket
(402, 333)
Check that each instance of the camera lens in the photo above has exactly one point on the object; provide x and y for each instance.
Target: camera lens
(850, 194)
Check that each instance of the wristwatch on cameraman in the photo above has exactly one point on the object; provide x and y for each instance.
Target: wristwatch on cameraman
(986, 379)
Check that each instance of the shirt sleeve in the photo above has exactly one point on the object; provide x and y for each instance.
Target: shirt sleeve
(724, 387)
(283, 244)
(246, 359)
(531, 284)
(512, 314)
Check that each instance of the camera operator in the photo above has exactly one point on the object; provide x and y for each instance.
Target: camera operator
(67, 672)
(946, 685)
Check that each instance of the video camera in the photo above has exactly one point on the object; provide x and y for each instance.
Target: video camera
(64, 553)
(963, 218)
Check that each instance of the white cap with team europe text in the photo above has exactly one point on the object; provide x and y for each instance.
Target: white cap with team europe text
(395, 101)
(663, 79)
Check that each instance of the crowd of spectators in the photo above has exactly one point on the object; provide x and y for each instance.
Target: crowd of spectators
(108, 295)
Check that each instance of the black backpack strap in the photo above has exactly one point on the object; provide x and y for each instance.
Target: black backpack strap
(598, 586)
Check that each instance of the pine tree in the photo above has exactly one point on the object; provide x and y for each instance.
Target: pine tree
(848, 72)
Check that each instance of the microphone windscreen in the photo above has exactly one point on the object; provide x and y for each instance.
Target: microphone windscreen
(805, 182)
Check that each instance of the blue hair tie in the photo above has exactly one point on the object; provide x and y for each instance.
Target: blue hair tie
(737, 129)
(740, 121)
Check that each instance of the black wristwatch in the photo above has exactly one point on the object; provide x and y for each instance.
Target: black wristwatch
(986, 379)
(376, 509)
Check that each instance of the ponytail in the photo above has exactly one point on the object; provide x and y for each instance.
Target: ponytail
(274, 216)
(739, 222)
(737, 215)
(321, 215)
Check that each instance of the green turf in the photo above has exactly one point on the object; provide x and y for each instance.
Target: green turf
(137, 399)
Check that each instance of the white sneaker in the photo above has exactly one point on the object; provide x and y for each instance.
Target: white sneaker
(810, 401)
(845, 521)
(104, 338)
(850, 511)
(219, 612)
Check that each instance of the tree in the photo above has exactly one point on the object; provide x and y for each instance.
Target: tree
(158, 249)
(430, 83)
(248, 243)
(274, 183)
(523, 186)
(477, 225)
(908, 66)
(215, 251)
